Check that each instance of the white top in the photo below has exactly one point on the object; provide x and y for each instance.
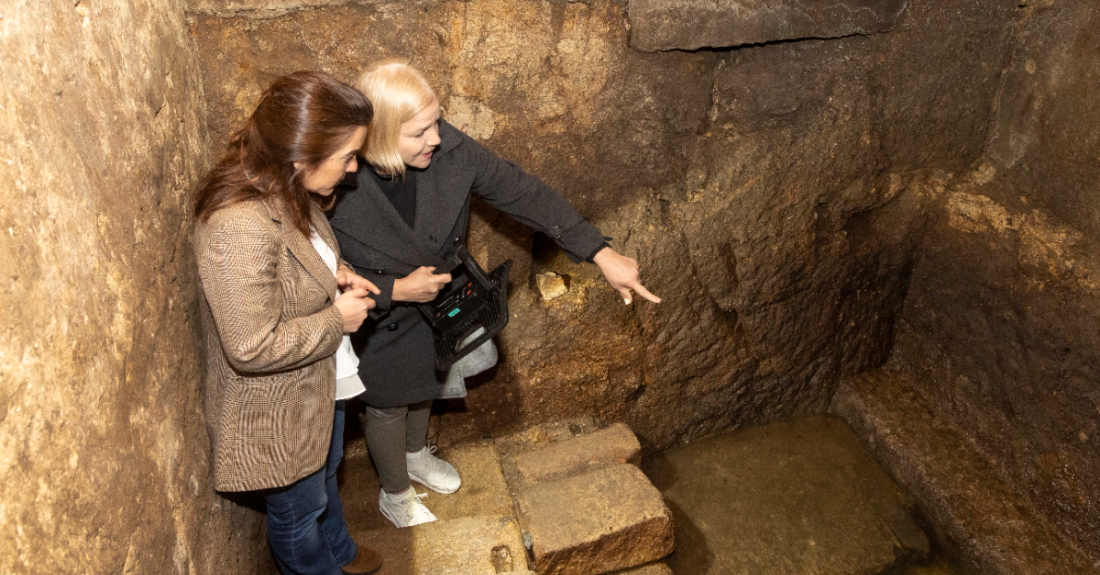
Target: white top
(348, 384)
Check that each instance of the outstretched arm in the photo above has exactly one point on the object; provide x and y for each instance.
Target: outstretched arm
(622, 273)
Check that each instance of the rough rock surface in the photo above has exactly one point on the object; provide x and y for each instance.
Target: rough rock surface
(103, 449)
(595, 522)
(799, 498)
(693, 24)
(1000, 330)
(772, 194)
(973, 512)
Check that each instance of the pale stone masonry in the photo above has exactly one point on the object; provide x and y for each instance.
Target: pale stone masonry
(595, 522)
(558, 498)
(615, 444)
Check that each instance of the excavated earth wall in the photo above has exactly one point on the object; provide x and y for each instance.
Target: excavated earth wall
(776, 190)
(1000, 331)
(103, 451)
(774, 194)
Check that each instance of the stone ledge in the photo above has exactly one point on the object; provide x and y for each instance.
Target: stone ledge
(613, 445)
(658, 25)
(972, 512)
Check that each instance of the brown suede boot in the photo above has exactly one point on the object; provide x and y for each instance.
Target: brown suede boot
(366, 561)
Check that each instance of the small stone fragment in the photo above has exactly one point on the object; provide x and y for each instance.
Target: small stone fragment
(551, 285)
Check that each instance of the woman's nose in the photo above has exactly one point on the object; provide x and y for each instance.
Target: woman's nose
(353, 165)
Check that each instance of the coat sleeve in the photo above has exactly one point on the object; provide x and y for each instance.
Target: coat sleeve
(528, 200)
(384, 282)
(384, 300)
(238, 261)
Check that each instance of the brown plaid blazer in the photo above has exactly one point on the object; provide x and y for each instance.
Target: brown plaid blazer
(270, 330)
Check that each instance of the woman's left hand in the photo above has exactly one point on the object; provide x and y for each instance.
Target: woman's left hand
(622, 273)
(347, 279)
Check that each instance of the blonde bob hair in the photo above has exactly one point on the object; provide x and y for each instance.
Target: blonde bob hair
(398, 92)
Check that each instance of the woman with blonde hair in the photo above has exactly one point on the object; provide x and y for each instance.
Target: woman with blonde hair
(408, 211)
(279, 366)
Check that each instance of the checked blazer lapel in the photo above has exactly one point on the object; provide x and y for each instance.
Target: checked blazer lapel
(302, 248)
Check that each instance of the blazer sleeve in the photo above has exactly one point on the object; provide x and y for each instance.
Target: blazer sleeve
(528, 200)
(238, 261)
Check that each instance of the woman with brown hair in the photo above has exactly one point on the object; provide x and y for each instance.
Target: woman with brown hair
(279, 365)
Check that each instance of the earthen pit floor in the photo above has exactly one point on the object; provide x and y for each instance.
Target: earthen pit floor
(799, 497)
(793, 497)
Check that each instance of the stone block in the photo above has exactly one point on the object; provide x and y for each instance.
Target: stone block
(596, 522)
(692, 24)
(615, 444)
(467, 545)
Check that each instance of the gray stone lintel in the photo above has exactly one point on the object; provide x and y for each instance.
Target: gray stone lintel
(658, 25)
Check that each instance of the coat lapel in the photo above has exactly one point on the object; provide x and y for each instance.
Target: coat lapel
(365, 214)
(302, 248)
(441, 191)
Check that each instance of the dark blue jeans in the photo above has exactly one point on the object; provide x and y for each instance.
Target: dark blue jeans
(305, 520)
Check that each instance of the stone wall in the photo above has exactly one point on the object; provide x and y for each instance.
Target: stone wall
(1000, 329)
(103, 449)
(774, 194)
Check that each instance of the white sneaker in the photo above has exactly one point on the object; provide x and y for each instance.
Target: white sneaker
(432, 472)
(404, 509)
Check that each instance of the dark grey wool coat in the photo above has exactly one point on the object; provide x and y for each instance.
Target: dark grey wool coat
(396, 349)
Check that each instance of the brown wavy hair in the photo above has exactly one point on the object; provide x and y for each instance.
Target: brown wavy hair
(304, 117)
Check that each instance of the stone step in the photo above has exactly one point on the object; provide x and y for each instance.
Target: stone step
(615, 444)
(466, 545)
(596, 522)
(546, 434)
(976, 516)
(632, 526)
